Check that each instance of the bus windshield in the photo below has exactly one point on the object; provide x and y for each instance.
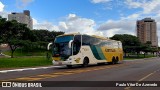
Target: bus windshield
(61, 48)
(62, 39)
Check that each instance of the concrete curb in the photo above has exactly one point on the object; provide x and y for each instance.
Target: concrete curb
(25, 69)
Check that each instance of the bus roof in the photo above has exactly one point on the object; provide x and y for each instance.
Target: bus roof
(85, 34)
(104, 38)
(100, 37)
(69, 34)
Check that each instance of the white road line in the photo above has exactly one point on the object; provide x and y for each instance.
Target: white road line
(24, 69)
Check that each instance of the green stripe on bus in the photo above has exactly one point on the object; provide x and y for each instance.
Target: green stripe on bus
(100, 53)
(97, 52)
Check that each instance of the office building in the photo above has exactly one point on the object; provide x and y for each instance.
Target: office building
(147, 31)
(24, 18)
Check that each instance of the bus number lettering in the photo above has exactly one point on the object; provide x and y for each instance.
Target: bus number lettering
(110, 50)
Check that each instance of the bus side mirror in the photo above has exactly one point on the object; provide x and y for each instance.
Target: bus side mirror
(70, 43)
(49, 46)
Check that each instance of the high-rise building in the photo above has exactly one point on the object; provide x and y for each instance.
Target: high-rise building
(24, 18)
(147, 31)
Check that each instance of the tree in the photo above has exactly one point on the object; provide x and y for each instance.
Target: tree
(18, 35)
(130, 43)
(14, 34)
(2, 21)
(45, 35)
(147, 47)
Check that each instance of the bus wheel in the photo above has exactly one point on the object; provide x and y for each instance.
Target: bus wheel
(85, 62)
(113, 61)
(69, 66)
(117, 59)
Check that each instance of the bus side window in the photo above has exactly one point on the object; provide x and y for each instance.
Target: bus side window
(118, 44)
(85, 40)
(76, 44)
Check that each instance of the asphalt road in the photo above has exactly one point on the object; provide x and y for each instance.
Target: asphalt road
(135, 71)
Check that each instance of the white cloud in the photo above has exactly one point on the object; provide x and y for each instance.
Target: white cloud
(110, 27)
(44, 25)
(109, 4)
(1, 6)
(3, 13)
(63, 26)
(111, 32)
(132, 16)
(23, 3)
(157, 19)
(126, 25)
(134, 4)
(73, 23)
(100, 1)
(148, 6)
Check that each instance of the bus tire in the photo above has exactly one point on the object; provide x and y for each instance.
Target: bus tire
(85, 62)
(113, 61)
(117, 59)
(69, 66)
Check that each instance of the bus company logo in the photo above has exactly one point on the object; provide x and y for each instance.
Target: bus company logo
(6, 84)
(85, 49)
(110, 50)
(78, 60)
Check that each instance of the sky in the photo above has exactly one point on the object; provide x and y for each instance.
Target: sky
(94, 17)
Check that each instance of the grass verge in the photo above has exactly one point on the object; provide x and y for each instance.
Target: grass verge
(24, 62)
(21, 52)
(139, 57)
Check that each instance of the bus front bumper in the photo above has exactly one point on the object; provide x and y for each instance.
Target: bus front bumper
(59, 63)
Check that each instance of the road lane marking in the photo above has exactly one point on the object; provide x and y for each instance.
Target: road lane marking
(48, 75)
(88, 70)
(129, 88)
(74, 71)
(66, 73)
(27, 79)
(62, 73)
(78, 71)
(57, 74)
(70, 71)
(145, 77)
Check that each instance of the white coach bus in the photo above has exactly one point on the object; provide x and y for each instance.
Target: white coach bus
(78, 49)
